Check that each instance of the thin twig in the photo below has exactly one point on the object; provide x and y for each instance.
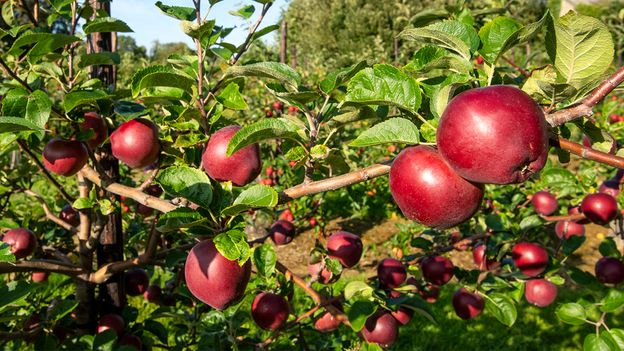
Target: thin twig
(51, 216)
(252, 31)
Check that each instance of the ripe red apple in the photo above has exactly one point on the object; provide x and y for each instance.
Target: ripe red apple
(93, 121)
(540, 292)
(568, 228)
(495, 134)
(153, 294)
(136, 281)
(277, 105)
(345, 247)
(479, 255)
(22, 242)
(214, 279)
(531, 259)
(269, 310)
(544, 203)
(574, 210)
(111, 321)
(131, 341)
(313, 222)
(466, 304)
(292, 110)
(282, 232)
(323, 276)
(428, 191)
(403, 315)
(154, 190)
(136, 143)
(267, 182)
(69, 215)
(610, 270)
(287, 215)
(429, 292)
(39, 277)
(610, 187)
(33, 322)
(269, 171)
(64, 157)
(599, 208)
(391, 273)
(326, 323)
(437, 270)
(381, 328)
(241, 168)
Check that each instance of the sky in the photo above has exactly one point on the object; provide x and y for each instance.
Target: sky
(150, 24)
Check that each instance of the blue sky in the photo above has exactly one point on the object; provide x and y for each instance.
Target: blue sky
(150, 24)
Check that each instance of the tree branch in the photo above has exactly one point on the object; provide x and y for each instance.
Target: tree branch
(40, 266)
(252, 30)
(586, 152)
(51, 216)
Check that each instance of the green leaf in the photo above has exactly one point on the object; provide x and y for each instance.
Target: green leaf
(358, 289)
(273, 70)
(337, 78)
(571, 313)
(502, 307)
(425, 55)
(264, 31)
(617, 337)
(613, 301)
(231, 97)
(130, 110)
(17, 124)
(572, 243)
(61, 308)
(530, 222)
(99, 58)
(159, 76)
(438, 38)
(608, 248)
(394, 130)
(359, 312)
(106, 25)
(157, 329)
(254, 197)
(7, 13)
(494, 35)
(177, 12)
(262, 130)
(458, 29)
(84, 97)
(38, 108)
(5, 253)
(580, 47)
(105, 341)
(244, 12)
(190, 183)
(13, 292)
(83, 203)
(233, 246)
(197, 31)
(45, 43)
(525, 34)
(14, 102)
(384, 85)
(179, 218)
(264, 257)
(594, 342)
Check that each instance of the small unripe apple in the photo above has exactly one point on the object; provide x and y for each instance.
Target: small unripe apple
(269, 310)
(93, 121)
(544, 203)
(133, 341)
(540, 292)
(531, 259)
(568, 228)
(381, 328)
(466, 304)
(39, 277)
(136, 143)
(153, 294)
(136, 281)
(240, 168)
(69, 215)
(428, 190)
(64, 157)
(345, 247)
(610, 270)
(22, 242)
(323, 276)
(495, 134)
(111, 321)
(282, 232)
(391, 273)
(599, 208)
(403, 315)
(214, 279)
(479, 255)
(437, 270)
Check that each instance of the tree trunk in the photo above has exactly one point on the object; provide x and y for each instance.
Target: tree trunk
(284, 42)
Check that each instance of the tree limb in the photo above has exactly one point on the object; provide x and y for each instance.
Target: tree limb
(586, 152)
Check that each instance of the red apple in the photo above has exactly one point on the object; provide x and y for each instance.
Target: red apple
(324, 276)
(313, 222)
(428, 191)
(136, 143)
(429, 292)
(153, 294)
(574, 210)
(69, 215)
(39, 277)
(326, 323)
(610, 187)
(111, 321)
(282, 232)
(568, 228)
(292, 110)
(132, 341)
(136, 281)
(495, 134)
(277, 105)
(381, 328)
(544, 203)
(466, 304)
(269, 310)
(345, 247)
(22, 242)
(269, 171)
(64, 157)
(214, 279)
(599, 208)
(437, 270)
(540, 292)
(391, 273)
(153, 190)
(403, 315)
(241, 168)
(610, 270)
(479, 255)
(287, 215)
(93, 121)
(531, 259)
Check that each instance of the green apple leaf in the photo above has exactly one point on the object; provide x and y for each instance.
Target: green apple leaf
(256, 196)
(190, 183)
(395, 130)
